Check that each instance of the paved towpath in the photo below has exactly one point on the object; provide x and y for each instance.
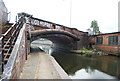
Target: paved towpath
(39, 66)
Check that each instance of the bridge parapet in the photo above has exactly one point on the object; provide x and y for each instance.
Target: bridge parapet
(50, 25)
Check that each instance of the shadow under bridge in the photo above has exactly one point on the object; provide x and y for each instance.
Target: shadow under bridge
(61, 39)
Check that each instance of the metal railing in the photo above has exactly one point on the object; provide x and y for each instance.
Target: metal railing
(7, 41)
(18, 55)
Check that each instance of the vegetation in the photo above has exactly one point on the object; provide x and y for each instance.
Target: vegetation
(6, 26)
(87, 55)
(83, 50)
(33, 45)
(86, 52)
(95, 27)
(117, 54)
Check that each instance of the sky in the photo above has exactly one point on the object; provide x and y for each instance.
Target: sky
(72, 13)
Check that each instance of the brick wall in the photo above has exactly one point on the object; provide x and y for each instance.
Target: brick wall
(83, 36)
(105, 45)
(107, 49)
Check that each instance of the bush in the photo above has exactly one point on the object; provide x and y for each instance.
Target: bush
(87, 55)
(84, 49)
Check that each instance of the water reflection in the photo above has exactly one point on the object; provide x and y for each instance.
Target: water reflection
(97, 67)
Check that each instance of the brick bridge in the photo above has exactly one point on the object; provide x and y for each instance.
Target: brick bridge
(61, 36)
(14, 45)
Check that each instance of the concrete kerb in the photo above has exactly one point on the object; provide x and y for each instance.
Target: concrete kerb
(59, 69)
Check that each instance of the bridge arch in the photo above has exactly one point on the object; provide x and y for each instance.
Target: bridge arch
(61, 39)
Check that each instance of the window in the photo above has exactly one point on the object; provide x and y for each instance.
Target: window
(99, 40)
(113, 40)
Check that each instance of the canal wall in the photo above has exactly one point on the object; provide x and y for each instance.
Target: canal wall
(59, 69)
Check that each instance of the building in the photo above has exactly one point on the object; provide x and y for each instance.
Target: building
(108, 42)
(3, 15)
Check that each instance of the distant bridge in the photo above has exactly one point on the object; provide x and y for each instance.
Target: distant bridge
(14, 47)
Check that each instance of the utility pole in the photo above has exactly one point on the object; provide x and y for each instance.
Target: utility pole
(70, 4)
(70, 12)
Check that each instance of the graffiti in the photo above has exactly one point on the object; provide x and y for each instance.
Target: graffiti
(39, 23)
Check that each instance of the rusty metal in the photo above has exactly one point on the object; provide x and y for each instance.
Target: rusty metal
(17, 58)
(8, 40)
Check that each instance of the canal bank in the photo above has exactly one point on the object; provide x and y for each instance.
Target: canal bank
(41, 65)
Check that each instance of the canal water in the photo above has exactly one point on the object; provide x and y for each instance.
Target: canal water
(81, 67)
(96, 67)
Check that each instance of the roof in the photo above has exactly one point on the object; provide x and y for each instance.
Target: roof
(108, 33)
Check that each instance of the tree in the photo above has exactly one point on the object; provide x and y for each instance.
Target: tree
(95, 27)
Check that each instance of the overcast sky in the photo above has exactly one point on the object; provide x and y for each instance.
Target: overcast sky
(58, 11)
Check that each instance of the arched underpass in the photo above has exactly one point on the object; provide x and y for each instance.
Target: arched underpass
(61, 39)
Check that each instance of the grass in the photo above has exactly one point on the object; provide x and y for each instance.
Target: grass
(88, 53)
(83, 50)
(33, 45)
